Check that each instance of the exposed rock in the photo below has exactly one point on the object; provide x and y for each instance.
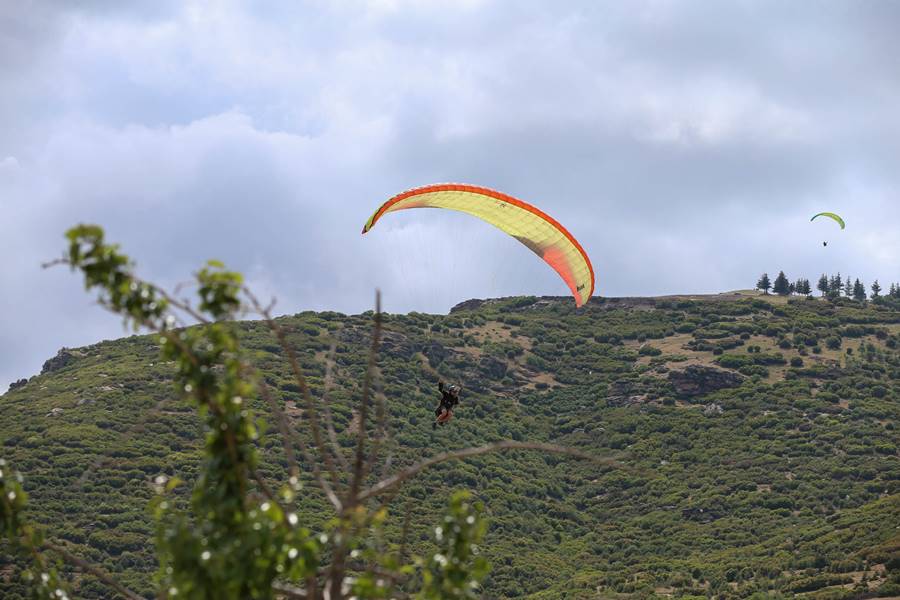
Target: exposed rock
(712, 409)
(624, 393)
(471, 382)
(63, 358)
(435, 352)
(392, 342)
(17, 384)
(492, 367)
(355, 335)
(697, 380)
(54, 412)
(624, 303)
(467, 305)
(397, 344)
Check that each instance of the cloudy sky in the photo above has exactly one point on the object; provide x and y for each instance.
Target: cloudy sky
(685, 144)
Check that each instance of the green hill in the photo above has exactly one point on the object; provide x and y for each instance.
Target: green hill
(759, 437)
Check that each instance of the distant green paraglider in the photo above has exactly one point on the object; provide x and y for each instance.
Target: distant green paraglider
(836, 217)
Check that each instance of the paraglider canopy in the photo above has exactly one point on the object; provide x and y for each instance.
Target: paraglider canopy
(830, 215)
(835, 217)
(537, 230)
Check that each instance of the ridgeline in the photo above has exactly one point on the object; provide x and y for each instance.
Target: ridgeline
(757, 436)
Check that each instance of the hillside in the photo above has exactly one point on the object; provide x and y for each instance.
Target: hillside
(759, 436)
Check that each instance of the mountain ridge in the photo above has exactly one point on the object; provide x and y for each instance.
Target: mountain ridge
(783, 478)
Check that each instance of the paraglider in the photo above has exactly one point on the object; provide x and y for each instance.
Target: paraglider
(449, 400)
(532, 227)
(837, 219)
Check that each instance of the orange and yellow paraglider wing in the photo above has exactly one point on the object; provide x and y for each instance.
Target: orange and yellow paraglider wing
(535, 229)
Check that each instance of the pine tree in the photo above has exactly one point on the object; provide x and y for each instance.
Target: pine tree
(781, 287)
(895, 290)
(822, 286)
(848, 288)
(804, 288)
(835, 286)
(792, 288)
(859, 290)
(876, 289)
(764, 284)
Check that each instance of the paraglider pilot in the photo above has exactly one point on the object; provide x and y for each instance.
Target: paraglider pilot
(449, 400)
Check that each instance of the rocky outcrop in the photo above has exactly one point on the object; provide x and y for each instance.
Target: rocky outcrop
(63, 358)
(492, 367)
(698, 380)
(467, 305)
(625, 393)
(17, 384)
(392, 343)
(397, 344)
(713, 409)
(435, 352)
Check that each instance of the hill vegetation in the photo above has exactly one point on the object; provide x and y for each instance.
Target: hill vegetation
(758, 437)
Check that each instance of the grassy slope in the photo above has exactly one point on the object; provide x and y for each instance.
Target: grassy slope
(793, 486)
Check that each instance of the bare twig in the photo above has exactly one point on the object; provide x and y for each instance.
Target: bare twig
(386, 467)
(93, 570)
(272, 498)
(307, 455)
(381, 431)
(104, 456)
(288, 591)
(55, 262)
(391, 482)
(312, 416)
(326, 403)
(360, 466)
(182, 305)
(283, 427)
(404, 536)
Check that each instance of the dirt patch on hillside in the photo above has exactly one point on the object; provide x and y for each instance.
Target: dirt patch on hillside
(533, 379)
(674, 352)
(499, 332)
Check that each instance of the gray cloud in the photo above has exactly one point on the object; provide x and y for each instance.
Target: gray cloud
(684, 143)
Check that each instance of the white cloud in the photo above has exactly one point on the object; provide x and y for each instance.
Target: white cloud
(685, 145)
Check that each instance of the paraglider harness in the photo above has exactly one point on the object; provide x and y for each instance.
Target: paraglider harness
(449, 398)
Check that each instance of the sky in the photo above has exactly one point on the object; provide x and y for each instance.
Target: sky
(684, 144)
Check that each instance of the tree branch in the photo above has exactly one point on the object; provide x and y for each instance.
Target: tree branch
(288, 590)
(381, 431)
(314, 464)
(359, 463)
(283, 427)
(329, 420)
(312, 416)
(95, 571)
(393, 481)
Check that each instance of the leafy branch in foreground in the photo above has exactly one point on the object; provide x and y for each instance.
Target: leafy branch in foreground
(240, 538)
